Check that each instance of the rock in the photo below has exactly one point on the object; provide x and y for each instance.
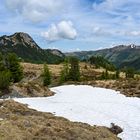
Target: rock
(115, 129)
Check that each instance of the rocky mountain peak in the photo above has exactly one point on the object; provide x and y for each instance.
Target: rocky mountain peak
(56, 52)
(26, 48)
(18, 38)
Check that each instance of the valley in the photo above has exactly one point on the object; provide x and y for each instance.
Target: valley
(93, 95)
(69, 70)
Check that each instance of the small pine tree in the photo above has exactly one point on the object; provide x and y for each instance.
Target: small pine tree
(13, 65)
(117, 74)
(4, 79)
(74, 72)
(105, 75)
(129, 73)
(46, 76)
(85, 67)
(64, 72)
(2, 67)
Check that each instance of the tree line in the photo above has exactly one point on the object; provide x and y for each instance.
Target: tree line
(12, 72)
(71, 70)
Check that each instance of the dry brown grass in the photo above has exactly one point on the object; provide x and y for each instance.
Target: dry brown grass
(31, 89)
(128, 87)
(38, 68)
(22, 123)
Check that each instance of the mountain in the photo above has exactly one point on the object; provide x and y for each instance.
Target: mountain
(27, 49)
(121, 56)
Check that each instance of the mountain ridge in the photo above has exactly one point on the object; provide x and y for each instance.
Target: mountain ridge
(27, 49)
(121, 55)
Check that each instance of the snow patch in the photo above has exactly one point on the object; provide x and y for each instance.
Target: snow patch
(95, 106)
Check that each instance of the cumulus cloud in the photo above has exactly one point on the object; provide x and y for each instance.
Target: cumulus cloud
(35, 10)
(62, 30)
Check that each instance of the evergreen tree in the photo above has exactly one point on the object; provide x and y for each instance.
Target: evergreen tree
(105, 75)
(46, 76)
(100, 61)
(129, 72)
(13, 65)
(64, 72)
(4, 79)
(117, 74)
(2, 67)
(74, 71)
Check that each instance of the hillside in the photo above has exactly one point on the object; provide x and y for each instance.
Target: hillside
(28, 50)
(18, 122)
(121, 56)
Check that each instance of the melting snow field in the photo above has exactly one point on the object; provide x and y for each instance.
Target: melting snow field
(95, 106)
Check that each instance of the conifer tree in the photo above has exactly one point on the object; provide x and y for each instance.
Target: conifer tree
(4, 79)
(46, 76)
(64, 72)
(2, 67)
(74, 71)
(129, 73)
(13, 65)
(117, 74)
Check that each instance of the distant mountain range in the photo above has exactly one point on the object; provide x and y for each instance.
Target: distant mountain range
(122, 55)
(27, 49)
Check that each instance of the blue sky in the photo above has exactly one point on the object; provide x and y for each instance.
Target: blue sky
(73, 25)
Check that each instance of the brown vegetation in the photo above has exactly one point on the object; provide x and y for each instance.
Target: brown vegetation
(128, 87)
(17, 122)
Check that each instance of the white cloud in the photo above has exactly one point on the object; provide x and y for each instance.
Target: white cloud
(132, 33)
(100, 31)
(63, 30)
(35, 10)
(112, 5)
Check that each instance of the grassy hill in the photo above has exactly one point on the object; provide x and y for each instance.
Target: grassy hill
(121, 56)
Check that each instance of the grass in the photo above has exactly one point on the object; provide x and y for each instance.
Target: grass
(22, 123)
(89, 76)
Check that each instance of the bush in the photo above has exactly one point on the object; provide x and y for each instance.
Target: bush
(4, 79)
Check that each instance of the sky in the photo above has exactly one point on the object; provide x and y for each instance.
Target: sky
(73, 25)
